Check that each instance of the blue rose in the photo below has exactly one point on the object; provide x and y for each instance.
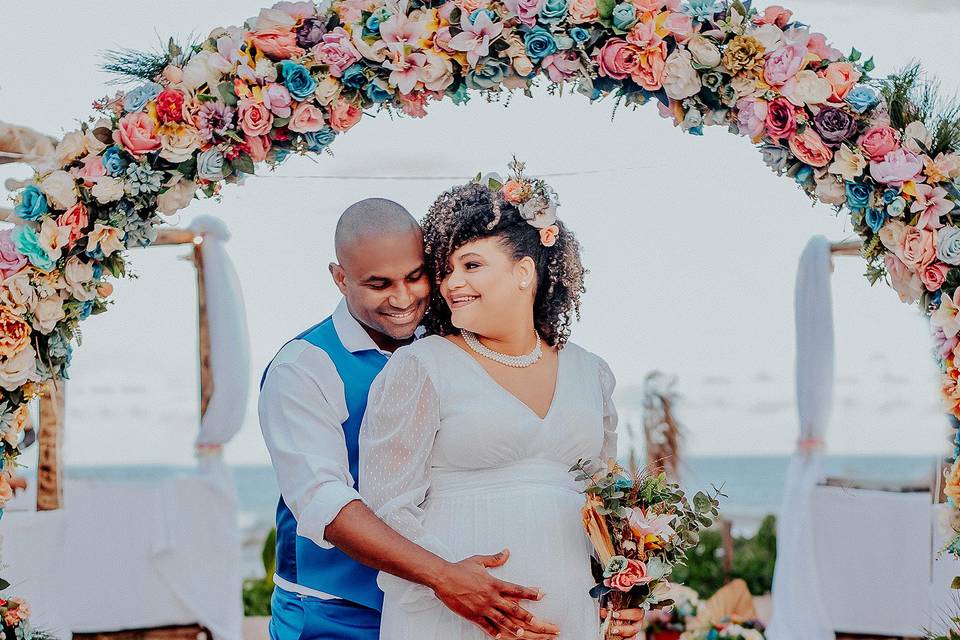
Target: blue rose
(33, 204)
(85, 310)
(875, 219)
(460, 95)
(858, 195)
(579, 34)
(379, 16)
(28, 243)
(624, 16)
(476, 14)
(320, 140)
(377, 93)
(553, 11)
(210, 164)
(488, 73)
(890, 195)
(897, 208)
(353, 77)
(113, 161)
(804, 174)
(136, 100)
(539, 43)
(297, 79)
(862, 98)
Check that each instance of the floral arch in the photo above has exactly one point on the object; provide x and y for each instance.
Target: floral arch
(299, 75)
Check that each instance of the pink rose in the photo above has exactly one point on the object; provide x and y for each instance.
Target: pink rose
(809, 147)
(817, 45)
(842, 76)
(680, 25)
(336, 51)
(276, 44)
(76, 219)
(877, 142)
(634, 573)
(11, 260)
(649, 73)
(751, 115)
(136, 132)
(258, 147)
(91, 168)
(277, 99)
(561, 66)
(918, 248)
(526, 10)
(774, 14)
(343, 115)
(896, 168)
(933, 275)
(618, 58)
(254, 117)
(783, 64)
(306, 118)
(781, 119)
(906, 283)
(581, 11)
(648, 6)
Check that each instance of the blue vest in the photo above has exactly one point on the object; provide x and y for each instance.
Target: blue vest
(299, 559)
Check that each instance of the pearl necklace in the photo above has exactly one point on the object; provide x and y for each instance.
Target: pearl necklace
(511, 361)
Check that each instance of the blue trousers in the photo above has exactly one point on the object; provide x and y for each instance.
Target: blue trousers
(298, 618)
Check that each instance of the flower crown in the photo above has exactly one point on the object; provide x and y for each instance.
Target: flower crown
(535, 200)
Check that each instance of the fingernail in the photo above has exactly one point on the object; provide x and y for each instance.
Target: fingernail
(520, 632)
(616, 615)
(540, 594)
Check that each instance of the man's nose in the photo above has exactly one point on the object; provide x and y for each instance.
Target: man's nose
(403, 297)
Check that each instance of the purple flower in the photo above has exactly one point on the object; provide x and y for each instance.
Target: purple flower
(835, 125)
(310, 33)
(213, 120)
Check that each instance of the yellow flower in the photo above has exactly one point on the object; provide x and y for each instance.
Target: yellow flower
(744, 53)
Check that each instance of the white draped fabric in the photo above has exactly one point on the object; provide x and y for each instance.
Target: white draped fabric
(798, 609)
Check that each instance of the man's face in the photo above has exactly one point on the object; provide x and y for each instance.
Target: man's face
(385, 283)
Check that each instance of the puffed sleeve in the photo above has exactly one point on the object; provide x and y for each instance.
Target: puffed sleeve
(607, 384)
(396, 440)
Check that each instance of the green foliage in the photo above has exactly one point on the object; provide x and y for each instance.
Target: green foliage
(911, 97)
(753, 560)
(258, 591)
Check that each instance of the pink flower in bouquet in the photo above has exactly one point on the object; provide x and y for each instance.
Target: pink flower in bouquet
(918, 248)
(254, 117)
(76, 219)
(441, 40)
(170, 105)
(680, 25)
(931, 204)
(11, 260)
(633, 574)
(400, 32)
(781, 119)
(277, 98)
(561, 66)
(581, 11)
(415, 104)
(774, 14)
(6, 493)
(336, 51)
(896, 168)
(933, 275)
(525, 10)
(842, 76)
(548, 235)
(406, 71)
(476, 37)
(618, 59)
(649, 73)
(297, 10)
(258, 147)
(91, 168)
(751, 116)
(644, 35)
(877, 142)
(472, 5)
(648, 6)
(783, 64)
(277, 44)
(343, 115)
(817, 45)
(809, 147)
(306, 118)
(650, 524)
(136, 132)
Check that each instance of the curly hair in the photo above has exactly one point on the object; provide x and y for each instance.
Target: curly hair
(472, 211)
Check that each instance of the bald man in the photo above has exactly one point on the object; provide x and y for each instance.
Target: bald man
(312, 398)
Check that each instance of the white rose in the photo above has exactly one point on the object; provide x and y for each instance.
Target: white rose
(680, 79)
(437, 74)
(178, 142)
(807, 88)
(831, 191)
(769, 35)
(704, 52)
(47, 314)
(176, 197)
(107, 190)
(272, 19)
(915, 133)
(17, 293)
(77, 274)
(327, 89)
(72, 147)
(201, 69)
(60, 188)
(20, 369)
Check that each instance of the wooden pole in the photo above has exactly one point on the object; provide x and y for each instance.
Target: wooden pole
(849, 248)
(206, 370)
(727, 531)
(50, 467)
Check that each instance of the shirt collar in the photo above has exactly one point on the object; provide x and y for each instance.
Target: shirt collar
(351, 333)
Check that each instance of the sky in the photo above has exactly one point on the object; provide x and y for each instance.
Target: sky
(691, 242)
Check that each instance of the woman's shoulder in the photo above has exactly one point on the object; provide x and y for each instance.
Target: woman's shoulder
(591, 363)
(426, 351)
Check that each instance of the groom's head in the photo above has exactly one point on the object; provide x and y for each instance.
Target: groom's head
(380, 268)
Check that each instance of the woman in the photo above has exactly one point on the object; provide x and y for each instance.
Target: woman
(470, 432)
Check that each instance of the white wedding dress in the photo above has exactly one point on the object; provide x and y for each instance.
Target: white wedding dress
(456, 463)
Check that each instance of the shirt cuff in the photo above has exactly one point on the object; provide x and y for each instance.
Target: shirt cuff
(324, 507)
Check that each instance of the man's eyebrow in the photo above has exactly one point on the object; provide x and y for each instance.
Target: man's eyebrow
(375, 278)
(417, 270)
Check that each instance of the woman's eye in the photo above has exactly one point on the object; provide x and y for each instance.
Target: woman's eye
(471, 265)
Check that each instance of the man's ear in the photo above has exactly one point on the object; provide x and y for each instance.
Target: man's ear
(339, 277)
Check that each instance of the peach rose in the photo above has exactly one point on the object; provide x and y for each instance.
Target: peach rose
(19, 369)
(581, 11)
(548, 235)
(18, 293)
(877, 142)
(136, 132)
(809, 147)
(258, 147)
(276, 44)
(842, 76)
(634, 573)
(649, 73)
(306, 118)
(14, 333)
(48, 312)
(254, 117)
(514, 191)
(774, 14)
(918, 248)
(891, 236)
(76, 219)
(933, 275)
(343, 115)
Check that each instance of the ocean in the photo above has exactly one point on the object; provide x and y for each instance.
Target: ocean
(753, 486)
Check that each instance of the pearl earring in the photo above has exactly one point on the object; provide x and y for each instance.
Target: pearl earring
(523, 285)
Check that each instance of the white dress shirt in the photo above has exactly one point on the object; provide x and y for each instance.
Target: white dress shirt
(302, 408)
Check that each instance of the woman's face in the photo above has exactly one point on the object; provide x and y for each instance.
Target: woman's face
(486, 289)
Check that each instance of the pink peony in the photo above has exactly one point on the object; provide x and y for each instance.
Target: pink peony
(11, 260)
(842, 76)
(648, 6)
(783, 64)
(136, 132)
(781, 119)
(276, 44)
(336, 51)
(817, 45)
(343, 115)
(618, 58)
(526, 10)
(276, 97)
(809, 147)
(877, 142)
(306, 118)
(933, 275)
(896, 168)
(751, 115)
(680, 25)
(561, 66)
(254, 117)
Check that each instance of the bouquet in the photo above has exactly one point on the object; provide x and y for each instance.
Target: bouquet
(641, 528)
(728, 629)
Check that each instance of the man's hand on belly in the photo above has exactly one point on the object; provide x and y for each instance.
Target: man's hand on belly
(468, 589)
